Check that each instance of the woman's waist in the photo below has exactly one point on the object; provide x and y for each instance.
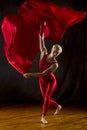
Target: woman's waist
(48, 76)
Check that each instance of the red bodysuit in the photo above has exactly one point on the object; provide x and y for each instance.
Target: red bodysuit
(47, 84)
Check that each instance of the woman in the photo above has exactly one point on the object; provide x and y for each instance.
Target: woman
(47, 81)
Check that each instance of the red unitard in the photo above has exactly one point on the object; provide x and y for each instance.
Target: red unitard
(47, 84)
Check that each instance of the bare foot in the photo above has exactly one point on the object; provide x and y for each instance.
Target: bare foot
(58, 109)
(43, 120)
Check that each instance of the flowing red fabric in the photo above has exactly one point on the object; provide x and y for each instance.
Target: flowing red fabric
(21, 30)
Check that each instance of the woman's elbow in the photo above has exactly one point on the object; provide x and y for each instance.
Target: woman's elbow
(44, 73)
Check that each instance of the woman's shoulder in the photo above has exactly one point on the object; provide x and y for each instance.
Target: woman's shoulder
(44, 56)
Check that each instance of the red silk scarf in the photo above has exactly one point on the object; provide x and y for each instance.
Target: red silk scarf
(21, 30)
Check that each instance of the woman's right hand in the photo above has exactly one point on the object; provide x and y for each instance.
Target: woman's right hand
(42, 27)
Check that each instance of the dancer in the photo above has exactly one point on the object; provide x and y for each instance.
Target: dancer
(47, 81)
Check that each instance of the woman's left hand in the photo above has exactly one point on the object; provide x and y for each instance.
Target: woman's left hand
(27, 75)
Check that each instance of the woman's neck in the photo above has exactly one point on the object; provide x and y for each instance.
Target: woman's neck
(50, 58)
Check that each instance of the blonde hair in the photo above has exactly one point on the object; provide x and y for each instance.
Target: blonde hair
(59, 47)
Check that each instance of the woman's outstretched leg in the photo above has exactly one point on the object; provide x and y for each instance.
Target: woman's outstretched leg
(51, 101)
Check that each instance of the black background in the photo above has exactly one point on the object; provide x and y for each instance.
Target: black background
(72, 71)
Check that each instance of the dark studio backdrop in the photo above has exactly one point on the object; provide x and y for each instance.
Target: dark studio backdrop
(72, 71)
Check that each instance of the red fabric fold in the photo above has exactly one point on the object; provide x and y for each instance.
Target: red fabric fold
(58, 19)
(21, 42)
(21, 30)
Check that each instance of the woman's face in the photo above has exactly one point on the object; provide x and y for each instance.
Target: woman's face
(55, 51)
